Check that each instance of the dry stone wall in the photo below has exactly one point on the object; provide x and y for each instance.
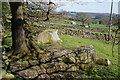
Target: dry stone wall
(56, 61)
(85, 34)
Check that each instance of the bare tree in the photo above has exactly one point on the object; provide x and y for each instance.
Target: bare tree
(110, 20)
(50, 9)
(84, 18)
(115, 20)
(42, 9)
(89, 21)
(105, 20)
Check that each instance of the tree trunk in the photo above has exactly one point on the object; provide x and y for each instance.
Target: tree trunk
(48, 12)
(18, 33)
(83, 23)
(47, 19)
(110, 21)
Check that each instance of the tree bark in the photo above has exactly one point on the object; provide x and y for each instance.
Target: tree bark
(18, 33)
(110, 20)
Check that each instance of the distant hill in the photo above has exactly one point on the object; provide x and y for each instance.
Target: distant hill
(93, 15)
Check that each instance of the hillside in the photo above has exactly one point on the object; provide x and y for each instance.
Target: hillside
(39, 43)
(73, 14)
(102, 47)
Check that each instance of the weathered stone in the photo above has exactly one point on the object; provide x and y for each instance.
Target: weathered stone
(86, 34)
(57, 60)
(29, 73)
(56, 66)
(73, 68)
(57, 76)
(44, 76)
(102, 61)
(48, 36)
(69, 60)
(72, 22)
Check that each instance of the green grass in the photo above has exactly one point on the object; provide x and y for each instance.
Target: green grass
(68, 20)
(62, 24)
(102, 48)
(98, 25)
(60, 20)
(76, 29)
(79, 23)
(54, 19)
(101, 26)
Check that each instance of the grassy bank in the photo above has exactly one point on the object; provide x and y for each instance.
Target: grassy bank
(103, 49)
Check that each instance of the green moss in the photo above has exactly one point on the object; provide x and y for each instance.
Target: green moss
(8, 39)
(7, 33)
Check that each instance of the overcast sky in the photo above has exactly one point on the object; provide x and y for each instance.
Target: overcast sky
(95, 6)
(98, 6)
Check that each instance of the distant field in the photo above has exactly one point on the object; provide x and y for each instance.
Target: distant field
(101, 26)
(79, 23)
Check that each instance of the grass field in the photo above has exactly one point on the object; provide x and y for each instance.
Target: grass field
(99, 26)
(103, 49)
(79, 23)
(102, 26)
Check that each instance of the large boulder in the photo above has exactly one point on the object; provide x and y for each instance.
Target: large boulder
(102, 61)
(48, 36)
(72, 22)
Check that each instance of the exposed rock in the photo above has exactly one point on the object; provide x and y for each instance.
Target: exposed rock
(72, 22)
(102, 61)
(56, 62)
(86, 34)
(82, 56)
(48, 36)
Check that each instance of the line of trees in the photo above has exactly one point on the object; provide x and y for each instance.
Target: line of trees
(84, 18)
